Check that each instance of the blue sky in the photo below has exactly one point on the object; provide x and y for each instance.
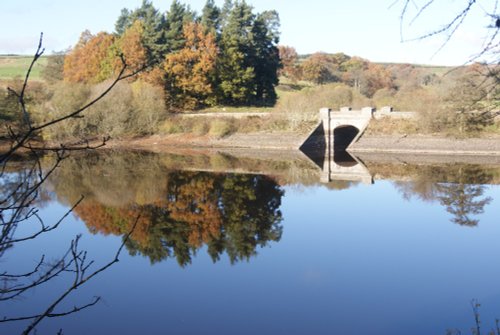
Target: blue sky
(365, 28)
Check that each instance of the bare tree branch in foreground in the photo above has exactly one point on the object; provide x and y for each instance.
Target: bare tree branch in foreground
(19, 193)
(412, 10)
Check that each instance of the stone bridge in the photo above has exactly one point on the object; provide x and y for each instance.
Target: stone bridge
(328, 144)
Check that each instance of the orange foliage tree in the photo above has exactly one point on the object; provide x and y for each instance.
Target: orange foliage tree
(377, 77)
(316, 68)
(86, 62)
(134, 50)
(288, 58)
(190, 71)
(132, 47)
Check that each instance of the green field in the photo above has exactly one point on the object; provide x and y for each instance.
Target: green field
(16, 66)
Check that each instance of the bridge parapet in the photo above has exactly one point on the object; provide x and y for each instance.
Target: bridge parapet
(388, 111)
(345, 117)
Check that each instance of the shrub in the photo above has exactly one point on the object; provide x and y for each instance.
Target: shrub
(111, 116)
(66, 97)
(127, 110)
(149, 108)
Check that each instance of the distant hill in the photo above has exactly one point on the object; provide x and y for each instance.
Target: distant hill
(435, 69)
(13, 66)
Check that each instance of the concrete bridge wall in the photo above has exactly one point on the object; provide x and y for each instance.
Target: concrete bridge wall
(337, 130)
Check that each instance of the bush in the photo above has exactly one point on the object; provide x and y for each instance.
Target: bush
(149, 108)
(112, 115)
(66, 98)
(127, 110)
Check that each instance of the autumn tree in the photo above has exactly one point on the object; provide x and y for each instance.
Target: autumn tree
(375, 77)
(316, 69)
(288, 57)
(354, 70)
(86, 62)
(131, 46)
(190, 71)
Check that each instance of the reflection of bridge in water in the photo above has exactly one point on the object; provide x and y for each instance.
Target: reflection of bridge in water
(327, 145)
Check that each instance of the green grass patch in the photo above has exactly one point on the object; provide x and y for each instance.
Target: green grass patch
(12, 67)
(231, 109)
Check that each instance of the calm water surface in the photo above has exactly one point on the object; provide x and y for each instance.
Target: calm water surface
(269, 249)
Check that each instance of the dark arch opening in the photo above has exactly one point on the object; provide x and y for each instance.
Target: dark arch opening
(344, 159)
(343, 136)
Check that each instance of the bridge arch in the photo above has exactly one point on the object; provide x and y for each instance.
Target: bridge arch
(343, 136)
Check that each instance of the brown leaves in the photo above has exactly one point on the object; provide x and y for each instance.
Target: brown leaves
(190, 70)
(85, 63)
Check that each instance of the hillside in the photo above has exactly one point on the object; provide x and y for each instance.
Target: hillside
(16, 66)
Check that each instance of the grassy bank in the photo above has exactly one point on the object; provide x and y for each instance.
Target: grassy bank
(12, 67)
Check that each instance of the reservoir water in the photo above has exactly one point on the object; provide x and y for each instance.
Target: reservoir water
(263, 244)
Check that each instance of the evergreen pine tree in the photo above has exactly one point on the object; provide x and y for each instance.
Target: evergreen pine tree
(210, 17)
(265, 56)
(154, 25)
(176, 17)
(236, 74)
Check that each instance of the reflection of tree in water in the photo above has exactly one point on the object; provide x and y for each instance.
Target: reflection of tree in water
(462, 201)
(227, 213)
(460, 189)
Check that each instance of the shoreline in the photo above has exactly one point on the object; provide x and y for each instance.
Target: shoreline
(405, 145)
(369, 144)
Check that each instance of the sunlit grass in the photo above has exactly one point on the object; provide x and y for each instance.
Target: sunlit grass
(12, 67)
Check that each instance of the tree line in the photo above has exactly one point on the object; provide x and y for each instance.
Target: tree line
(225, 55)
(321, 68)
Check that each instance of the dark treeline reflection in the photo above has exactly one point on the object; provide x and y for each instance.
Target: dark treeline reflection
(179, 211)
(459, 188)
